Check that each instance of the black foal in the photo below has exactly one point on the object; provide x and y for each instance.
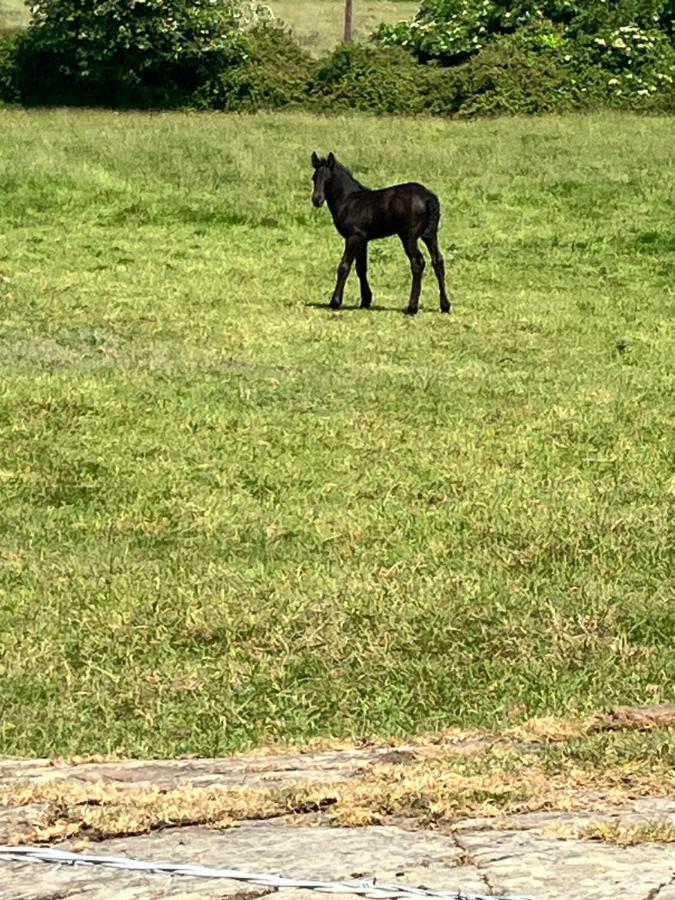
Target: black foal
(360, 215)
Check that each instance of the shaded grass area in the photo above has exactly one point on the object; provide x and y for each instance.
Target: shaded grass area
(229, 517)
(319, 26)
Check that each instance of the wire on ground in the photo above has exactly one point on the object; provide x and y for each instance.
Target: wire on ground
(367, 889)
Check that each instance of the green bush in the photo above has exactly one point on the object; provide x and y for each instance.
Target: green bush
(273, 74)
(381, 80)
(506, 77)
(9, 87)
(636, 66)
(452, 31)
(540, 56)
(458, 57)
(592, 18)
(127, 52)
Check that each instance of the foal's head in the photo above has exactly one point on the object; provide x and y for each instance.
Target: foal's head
(323, 172)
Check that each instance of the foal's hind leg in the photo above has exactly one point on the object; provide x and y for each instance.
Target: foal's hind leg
(439, 269)
(362, 272)
(417, 268)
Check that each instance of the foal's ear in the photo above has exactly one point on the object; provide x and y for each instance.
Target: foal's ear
(315, 160)
(330, 161)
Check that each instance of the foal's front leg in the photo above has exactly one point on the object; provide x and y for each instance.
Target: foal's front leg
(352, 247)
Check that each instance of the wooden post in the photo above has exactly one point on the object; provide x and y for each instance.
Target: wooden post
(348, 21)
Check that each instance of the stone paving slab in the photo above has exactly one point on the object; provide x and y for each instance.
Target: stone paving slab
(509, 855)
(249, 771)
(485, 862)
(518, 862)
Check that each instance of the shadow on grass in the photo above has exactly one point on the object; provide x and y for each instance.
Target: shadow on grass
(371, 309)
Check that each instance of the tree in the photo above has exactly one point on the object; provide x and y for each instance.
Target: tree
(147, 50)
(453, 31)
(348, 21)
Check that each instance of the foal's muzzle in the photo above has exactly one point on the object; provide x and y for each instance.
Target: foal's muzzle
(318, 200)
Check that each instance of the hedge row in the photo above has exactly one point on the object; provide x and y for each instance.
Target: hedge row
(262, 67)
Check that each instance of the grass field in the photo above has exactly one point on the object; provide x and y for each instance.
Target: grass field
(319, 24)
(230, 517)
(13, 14)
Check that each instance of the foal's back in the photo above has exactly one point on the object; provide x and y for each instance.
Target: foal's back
(401, 209)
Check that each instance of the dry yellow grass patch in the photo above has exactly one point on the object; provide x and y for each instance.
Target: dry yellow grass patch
(545, 729)
(427, 784)
(97, 811)
(652, 831)
(499, 781)
(551, 728)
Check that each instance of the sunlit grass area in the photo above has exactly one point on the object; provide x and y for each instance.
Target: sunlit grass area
(13, 14)
(229, 517)
(319, 24)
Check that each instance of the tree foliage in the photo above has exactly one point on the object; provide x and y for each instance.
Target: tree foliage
(452, 31)
(153, 49)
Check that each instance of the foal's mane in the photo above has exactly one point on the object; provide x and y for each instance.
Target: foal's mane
(343, 170)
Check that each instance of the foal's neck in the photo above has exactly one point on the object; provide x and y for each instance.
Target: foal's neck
(342, 184)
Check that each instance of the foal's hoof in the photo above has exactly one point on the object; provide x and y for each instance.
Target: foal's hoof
(411, 311)
(366, 304)
(446, 308)
(334, 304)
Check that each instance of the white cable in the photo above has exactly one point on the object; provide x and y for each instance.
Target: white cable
(370, 890)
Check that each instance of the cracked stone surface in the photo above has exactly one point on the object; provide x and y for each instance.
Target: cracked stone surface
(666, 893)
(250, 771)
(497, 862)
(508, 856)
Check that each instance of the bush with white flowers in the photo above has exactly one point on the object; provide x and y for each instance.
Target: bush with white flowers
(451, 31)
(615, 51)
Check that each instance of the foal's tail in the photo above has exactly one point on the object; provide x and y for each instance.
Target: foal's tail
(433, 217)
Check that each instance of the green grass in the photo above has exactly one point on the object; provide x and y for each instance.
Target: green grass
(319, 24)
(229, 517)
